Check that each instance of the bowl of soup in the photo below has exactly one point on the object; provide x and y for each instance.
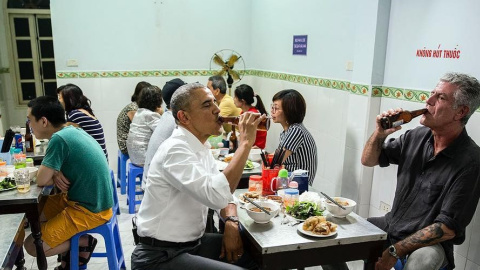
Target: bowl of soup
(336, 211)
(258, 215)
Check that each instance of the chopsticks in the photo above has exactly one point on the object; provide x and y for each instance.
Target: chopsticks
(332, 200)
(7, 141)
(264, 159)
(278, 158)
(254, 203)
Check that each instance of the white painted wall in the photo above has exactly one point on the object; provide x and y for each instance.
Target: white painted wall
(147, 34)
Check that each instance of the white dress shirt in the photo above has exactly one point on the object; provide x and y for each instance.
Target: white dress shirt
(183, 182)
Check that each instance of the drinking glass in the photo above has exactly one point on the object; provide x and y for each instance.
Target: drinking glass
(22, 180)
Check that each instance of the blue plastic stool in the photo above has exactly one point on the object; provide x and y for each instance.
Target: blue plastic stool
(111, 236)
(401, 262)
(134, 172)
(122, 171)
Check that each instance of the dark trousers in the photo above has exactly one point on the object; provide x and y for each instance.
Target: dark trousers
(205, 255)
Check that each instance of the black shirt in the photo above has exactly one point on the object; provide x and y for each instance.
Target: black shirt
(443, 188)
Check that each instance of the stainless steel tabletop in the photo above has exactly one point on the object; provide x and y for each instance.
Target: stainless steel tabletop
(39, 152)
(274, 237)
(12, 197)
(10, 227)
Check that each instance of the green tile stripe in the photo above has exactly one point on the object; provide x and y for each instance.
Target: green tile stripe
(125, 74)
(4, 70)
(321, 82)
(358, 89)
(400, 93)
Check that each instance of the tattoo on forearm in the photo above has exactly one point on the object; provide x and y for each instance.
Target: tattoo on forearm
(426, 236)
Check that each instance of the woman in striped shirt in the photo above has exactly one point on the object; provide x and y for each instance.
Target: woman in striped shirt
(80, 114)
(288, 109)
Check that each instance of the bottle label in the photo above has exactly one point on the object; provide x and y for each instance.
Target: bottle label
(27, 144)
(397, 123)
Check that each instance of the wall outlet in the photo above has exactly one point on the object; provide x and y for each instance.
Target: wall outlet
(384, 206)
(349, 66)
(72, 63)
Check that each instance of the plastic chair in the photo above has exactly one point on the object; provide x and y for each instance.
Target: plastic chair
(401, 262)
(134, 172)
(111, 236)
(122, 171)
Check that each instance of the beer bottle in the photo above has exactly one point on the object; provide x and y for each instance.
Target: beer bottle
(233, 141)
(400, 118)
(29, 145)
(233, 120)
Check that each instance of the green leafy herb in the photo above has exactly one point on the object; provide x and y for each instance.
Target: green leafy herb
(249, 164)
(304, 210)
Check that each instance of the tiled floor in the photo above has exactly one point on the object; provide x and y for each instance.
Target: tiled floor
(125, 224)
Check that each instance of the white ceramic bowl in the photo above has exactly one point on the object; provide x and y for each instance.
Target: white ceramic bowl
(215, 153)
(255, 155)
(33, 172)
(337, 211)
(262, 217)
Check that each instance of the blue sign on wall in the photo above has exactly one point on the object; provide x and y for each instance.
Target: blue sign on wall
(300, 45)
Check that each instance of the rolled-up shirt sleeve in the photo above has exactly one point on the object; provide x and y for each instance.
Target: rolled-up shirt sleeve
(391, 151)
(197, 176)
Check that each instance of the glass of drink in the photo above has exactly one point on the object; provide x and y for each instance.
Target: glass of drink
(22, 180)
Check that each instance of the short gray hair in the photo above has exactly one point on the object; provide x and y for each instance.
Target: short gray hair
(181, 99)
(468, 93)
(218, 82)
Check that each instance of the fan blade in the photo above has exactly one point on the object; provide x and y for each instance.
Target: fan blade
(218, 60)
(233, 59)
(234, 74)
(221, 72)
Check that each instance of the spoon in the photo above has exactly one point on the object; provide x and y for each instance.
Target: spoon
(333, 201)
(254, 203)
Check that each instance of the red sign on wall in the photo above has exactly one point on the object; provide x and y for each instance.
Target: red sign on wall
(438, 53)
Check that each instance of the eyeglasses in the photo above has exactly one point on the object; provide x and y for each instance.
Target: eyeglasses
(274, 108)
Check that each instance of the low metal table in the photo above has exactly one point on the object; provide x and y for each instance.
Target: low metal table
(38, 154)
(11, 241)
(30, 203)
(277, 246)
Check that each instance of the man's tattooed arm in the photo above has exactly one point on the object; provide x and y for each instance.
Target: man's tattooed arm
(372, 150)
(427, 236)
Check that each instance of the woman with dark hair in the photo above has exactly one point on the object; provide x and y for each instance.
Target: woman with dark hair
(125, 117)
(244, 98)
(144, 123)
(288, 109)
(80, 114)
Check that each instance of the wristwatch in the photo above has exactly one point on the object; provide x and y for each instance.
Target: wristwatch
(393, 251)
(232, 218)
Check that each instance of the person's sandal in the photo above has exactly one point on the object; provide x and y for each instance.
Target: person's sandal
(92, 243)
(66, 259)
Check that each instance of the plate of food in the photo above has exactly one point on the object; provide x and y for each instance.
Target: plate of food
(301, 211)
(250, 195)
(317, 226)
(249, 165)
(7, 183)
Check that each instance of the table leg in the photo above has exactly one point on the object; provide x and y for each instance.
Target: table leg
(369, 264)
(37, 235)
(20, 261)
